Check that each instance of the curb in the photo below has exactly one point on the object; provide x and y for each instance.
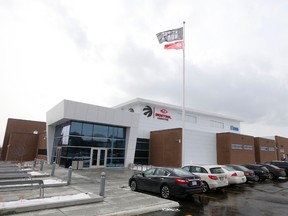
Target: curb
(49, 203)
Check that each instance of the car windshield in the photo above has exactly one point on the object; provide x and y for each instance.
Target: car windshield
(181, 172)
(216, 170)
(271, 165)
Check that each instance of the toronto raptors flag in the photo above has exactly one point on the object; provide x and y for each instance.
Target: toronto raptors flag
(170, 35)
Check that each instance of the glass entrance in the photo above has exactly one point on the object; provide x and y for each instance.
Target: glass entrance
(98, 157)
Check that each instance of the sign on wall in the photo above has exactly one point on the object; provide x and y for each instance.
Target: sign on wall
(158, 113)
(233, 128)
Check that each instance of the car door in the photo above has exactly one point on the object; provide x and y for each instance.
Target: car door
(145, 179)
(157, 179)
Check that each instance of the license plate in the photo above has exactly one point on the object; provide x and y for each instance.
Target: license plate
(193, 183)
(221, 178)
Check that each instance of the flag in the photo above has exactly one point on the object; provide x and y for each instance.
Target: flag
(176, 45)
(170, 35)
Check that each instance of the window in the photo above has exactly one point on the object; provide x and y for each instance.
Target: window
(191, 119)
(216, 124)
(150, 171)
(120, 133)
(216, 170)
(42, 151)
(248, 147)
(197, 169)
(161, 172)
(236, 146)
(100, 131)
(187, 168)
(142, 152)
(76, 128)
(87, 130)
(266, 148)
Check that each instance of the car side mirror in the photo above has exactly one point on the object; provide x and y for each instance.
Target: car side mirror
(143, 174)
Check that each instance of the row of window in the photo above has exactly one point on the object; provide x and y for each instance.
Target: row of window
(242, 147)
(250, 147)
(265, 148)
(90, 130)
(96, 130)
(213, 123)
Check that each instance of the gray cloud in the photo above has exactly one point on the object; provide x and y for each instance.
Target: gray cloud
(246, 88)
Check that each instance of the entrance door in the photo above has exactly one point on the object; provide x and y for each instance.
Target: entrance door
(98, 157)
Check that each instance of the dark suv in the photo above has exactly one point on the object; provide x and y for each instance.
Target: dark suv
(261, 171)
(280, 164)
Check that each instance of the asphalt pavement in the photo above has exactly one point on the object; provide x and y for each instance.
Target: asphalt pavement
(115, 199)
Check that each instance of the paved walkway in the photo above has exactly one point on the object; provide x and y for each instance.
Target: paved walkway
(118, 198)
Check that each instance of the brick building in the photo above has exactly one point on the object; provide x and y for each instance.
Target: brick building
(24, 140)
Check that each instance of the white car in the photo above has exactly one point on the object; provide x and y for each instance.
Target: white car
(234, 176)
(213, 176)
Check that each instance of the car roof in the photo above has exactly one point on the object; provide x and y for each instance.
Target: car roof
(207, 166)
(256, 165)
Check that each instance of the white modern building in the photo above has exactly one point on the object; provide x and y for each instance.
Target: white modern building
(98, 136)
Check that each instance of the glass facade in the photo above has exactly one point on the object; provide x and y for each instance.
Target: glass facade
(142, 152)
(74, 140)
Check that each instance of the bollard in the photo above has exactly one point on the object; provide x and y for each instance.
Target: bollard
(34, 163)
(102, 184)
(69, 175)
(53, 169)
(42, 163)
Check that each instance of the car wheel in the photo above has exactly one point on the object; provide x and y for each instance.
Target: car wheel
(205, 187)
(274, 177)
(257, 178)
(271, 176)
(133, 185)
(165, 192)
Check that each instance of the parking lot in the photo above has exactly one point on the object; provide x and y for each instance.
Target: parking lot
(254, 198)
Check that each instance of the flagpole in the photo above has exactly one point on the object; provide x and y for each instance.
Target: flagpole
(183, 92)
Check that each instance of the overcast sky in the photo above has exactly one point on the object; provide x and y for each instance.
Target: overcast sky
(106, 53)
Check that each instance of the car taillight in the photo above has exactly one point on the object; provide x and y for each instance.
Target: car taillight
(213, 177)
(279, 170)
(234, 174)
(181, 181)
(246, 173)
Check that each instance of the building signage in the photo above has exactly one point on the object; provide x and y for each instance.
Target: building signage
(161, 114)
(233, 128)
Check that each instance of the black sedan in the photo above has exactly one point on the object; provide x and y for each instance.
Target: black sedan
(261, 171)
(280, 164)
(275, 171)
(166, 181)
(250, 175)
